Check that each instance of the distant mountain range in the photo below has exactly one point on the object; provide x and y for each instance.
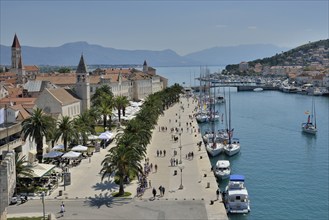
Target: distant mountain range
(69, 54)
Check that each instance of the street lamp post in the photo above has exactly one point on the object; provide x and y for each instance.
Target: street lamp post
(180, 148)
(181, 176)
(43, 205)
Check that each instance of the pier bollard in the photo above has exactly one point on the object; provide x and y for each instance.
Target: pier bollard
(208, 184)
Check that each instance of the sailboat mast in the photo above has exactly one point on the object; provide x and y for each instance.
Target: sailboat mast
(314, 114)
(229, 115)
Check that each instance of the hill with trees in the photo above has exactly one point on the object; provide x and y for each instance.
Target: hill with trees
(300, 56)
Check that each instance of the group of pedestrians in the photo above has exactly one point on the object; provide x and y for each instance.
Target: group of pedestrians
(159, 153)
(173, 162)
(161, 190)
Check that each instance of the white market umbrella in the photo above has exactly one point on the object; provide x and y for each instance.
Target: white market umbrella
(92, 137)
(79, 148)
(105, 135)
(71, 155)
(53, 154)
(58, 147)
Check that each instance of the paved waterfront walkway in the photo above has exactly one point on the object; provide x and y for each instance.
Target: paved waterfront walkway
(199, 182)
(197, 179)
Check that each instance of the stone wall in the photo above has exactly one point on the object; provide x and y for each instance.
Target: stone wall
(7, 181)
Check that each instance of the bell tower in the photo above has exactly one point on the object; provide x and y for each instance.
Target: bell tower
(83, 85)
(16, 60)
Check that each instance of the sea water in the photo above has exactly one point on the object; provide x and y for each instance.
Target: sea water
(286, 170)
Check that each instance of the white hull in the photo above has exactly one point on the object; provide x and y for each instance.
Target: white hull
(222, 169)
(236, 197)
(310, 129)
(201, 118)
(214, 149)
(231, 149)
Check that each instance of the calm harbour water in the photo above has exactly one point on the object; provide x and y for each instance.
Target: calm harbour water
(286, 170)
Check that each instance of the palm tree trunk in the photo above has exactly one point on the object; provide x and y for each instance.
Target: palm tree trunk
(121, 188)
(119, 115)
(65, 145)
(39, 151)
(104, 121)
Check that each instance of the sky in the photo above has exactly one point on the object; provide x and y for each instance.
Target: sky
(182, 25)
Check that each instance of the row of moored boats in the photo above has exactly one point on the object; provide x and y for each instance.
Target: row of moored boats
(235, 195)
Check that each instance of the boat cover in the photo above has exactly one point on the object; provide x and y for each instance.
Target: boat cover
(236, 177)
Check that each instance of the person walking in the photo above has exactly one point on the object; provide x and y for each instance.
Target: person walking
(154, 191)
(62, 209)
(164, 153)
(217, 193)
(156, 167)
(160, 190)
(163, 191)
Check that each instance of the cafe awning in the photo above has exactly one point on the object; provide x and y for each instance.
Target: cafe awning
(41, 169)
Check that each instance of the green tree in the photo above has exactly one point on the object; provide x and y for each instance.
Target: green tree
(66, 131)
(103, 101)
(83, 125)
(35, 128)
(120, 103)
(121, 160)
(22, 171)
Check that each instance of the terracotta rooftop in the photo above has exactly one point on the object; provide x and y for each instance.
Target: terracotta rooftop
(24, 114)
(62, 96)
(31, 68)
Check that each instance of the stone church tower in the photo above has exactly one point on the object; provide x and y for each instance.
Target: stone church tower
(145, 67)
(16, 60)
(83, 85)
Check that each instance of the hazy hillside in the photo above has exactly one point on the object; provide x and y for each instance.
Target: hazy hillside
(303, 55)
(235, 54)
(69, 54)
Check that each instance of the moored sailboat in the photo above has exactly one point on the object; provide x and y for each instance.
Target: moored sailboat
(232, 146)
(310, 126)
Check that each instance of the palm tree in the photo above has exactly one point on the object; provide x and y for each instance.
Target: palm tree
(121, 160)
(36, 127)
(103, 101)
(22, 170)
(105, 109)
(66, 131)
(121, 102)
(101, 93)
(50, 137)
(83, 126)
(138, 132)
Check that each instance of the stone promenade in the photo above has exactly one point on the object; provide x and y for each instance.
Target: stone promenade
(198, 182)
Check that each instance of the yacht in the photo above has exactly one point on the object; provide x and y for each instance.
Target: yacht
(232, 147)
(214, 148)
(222, 169)
(236, 198)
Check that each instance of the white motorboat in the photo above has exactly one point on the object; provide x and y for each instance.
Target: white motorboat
(200, 118)
(214, 149)
(232, 147)
(236, 198)
(222, 169)
(258, 89)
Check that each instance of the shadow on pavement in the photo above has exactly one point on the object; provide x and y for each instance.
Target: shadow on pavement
(107, 200)
(106, 185)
